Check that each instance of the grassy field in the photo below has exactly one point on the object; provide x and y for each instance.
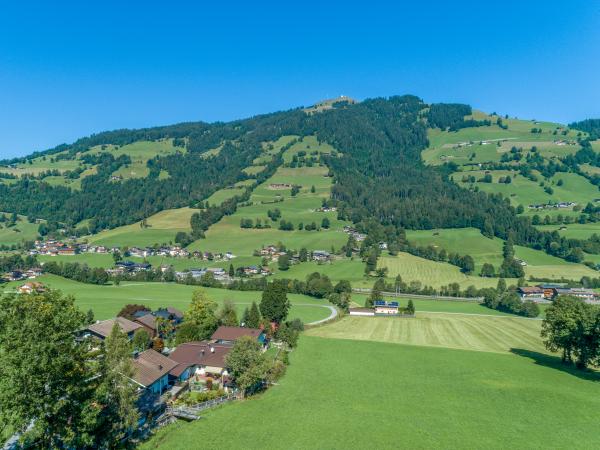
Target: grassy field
(462, 241)
(228, 236)
(162, 228)
(574, 230)
(430, 273)
(484, 250)
(451, 330)
(523, 191)
(139, 152)
(346, 269)
(106, 301)
(347, 394)
(480, 144)
(23, 230)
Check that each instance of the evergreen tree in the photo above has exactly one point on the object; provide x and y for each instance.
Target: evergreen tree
(254, 317)
(227, 314)
(275, 305)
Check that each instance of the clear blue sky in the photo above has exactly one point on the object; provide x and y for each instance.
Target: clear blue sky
(68, 69)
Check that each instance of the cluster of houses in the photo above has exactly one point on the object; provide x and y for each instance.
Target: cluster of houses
(218, 273)
(545, 293)
(560, 205)
(380, 308)
(198, 363)
(273, 253)
(326, 209)
(358, 237)
(18, 275)
(53, 247)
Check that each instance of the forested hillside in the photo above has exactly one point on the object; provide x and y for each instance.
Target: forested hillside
(380, 181)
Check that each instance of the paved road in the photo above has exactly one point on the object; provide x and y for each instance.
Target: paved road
(333, 314)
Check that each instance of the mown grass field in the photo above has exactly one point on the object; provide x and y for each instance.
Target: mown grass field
(485, 250)
(430, 273)
(161, 228)
(347, 394)
(346, 269)
(451, 330)
(106, 301)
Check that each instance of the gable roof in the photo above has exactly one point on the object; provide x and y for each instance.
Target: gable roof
(234, 333)
(200, 353)
(150, 366)
(104, 327)
(148, 320)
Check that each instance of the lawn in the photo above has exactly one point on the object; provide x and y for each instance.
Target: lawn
(451, 330)
(161, 229)
(345, 269)
(106, 301)
(542, 265)
(347, 394)
(574, 230)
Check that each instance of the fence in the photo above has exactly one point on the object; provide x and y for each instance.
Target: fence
(427, 297)
(193, 412)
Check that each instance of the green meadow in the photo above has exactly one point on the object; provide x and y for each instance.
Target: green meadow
(521, 190)
(366, 394)
(21, 231)
(160, 228)
(106, 301)
(485, 250)
(430, 273)
(227, 235)
(488, 143)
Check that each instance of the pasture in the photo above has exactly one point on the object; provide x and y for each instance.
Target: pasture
(521, 190)
(488, 143)
(430, 273)
(21, 231)
(160, 228)
(106, 301)
(227, 235)
(365, 394)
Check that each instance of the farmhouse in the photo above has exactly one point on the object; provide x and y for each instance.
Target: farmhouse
(321, 255)
(587, 295)
(383, 308)
(548, 289)
(151, 370)
(531, 293)
(30, 287)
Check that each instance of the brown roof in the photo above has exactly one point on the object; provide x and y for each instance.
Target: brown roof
(234, 333)
(177, 313)
(105, 327)
(200, 353)
(150, 366)
(148, 320)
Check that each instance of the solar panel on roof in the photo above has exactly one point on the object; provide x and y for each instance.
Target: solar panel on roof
(379, 303)
(393, 304)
